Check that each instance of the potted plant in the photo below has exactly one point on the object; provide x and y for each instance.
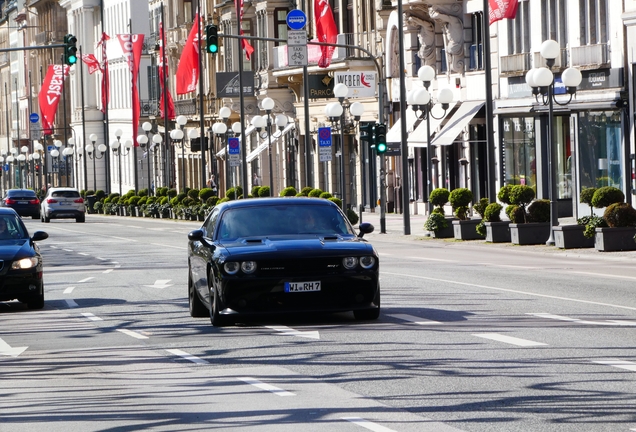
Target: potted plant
(497, 231)
(618, 227)
(529, 218)
(437, 223)
(573, 236)
(465, 227)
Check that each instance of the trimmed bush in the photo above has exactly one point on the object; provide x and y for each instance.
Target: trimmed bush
(439, 198)
(435, 222)
(606, 196)
(100, 194)
(492, 213)
(325, 195)
(620, 215)
(338, 201)
(305, 191)
(504, 194)
(459, 200)
(222, 200)
(289, 191)
(133, 200)
(164, 200)
(352, 216)
(194, 194)
(142, 200)
(230, 194)
(539, 211)
(480, 207)
(205, 193)
(143, 192)
(162, 191)
(264, 191)
(172, 193)
(516, 214)
(255, 190)
(315, 193)
(212, 201)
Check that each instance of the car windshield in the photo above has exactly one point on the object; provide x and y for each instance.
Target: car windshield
(282, 220)
(21, 193)
(11, 228)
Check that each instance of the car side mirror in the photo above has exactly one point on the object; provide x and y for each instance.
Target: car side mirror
(39, 235)
(365, 228)
(196, 235)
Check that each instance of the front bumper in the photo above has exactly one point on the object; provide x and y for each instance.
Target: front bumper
(20, 285)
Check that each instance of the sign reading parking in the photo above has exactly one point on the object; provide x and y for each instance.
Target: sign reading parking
(234, 150)
(324, 143)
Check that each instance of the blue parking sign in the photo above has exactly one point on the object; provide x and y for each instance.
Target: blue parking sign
(324, 137)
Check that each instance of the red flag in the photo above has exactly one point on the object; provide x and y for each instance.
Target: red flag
(163, 74)
(188, 70)
(326, 30)
(92, 63)
(105, 76)
(500, 9)
(132, 45)
(240, 10)
(50, 94)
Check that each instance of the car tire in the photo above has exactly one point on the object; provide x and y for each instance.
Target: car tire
(369, 314)
(216, 318)
(197, 308)
(36, 302)
(80, 219)
(46, 219)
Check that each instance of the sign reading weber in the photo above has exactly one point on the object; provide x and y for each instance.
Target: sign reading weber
(360, 83)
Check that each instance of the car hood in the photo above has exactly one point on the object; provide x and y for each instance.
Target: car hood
(292, 247)
(10, 250)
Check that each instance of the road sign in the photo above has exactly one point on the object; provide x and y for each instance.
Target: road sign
(34, 117)
(324, 144)
(234, 148)
(296, 19)
(297, 48)
(6, 167)
(393, 149)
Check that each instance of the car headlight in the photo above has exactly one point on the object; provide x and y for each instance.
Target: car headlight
(25, 263)
(350, 262)
(248, 267)
(231, 267)
(366, 262)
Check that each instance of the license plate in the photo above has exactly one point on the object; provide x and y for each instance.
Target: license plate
(302, 286)
(23, 202)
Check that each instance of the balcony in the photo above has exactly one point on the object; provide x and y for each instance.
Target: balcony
(590, 56)
(560, 62)
(515, 64)
(186, 107)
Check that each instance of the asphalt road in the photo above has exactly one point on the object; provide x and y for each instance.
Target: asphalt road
(472, 337)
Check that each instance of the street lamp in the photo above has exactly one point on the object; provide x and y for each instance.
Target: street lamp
(143, 140)
(177, 137)
(220, 130)
(22, 161)
(157, 139)
(38, 148)
(192, 135)
(117, 151)
(268, 105)
(420, 99)
(542, 82)
(73, 170)
(259, 122)
(90, 150)
(55, 154)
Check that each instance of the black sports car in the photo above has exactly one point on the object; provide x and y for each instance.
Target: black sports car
(20, 261)
(276, 255)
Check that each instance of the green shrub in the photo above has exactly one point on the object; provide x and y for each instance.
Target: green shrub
(263, 191)
(591, 223)
(255, 190)
(314, 193)
(289, 191)
(194, 194)
(493, 212)
(435, 222)
(142, 200)
(299, 194)
(205, 193)
(521, 195)
(516, 214)
(162, 191)
(230, 194)
(439, 198)
(459, 199)
(336, 200)
(606, 196)
(164, 200)
(174, 202)
(539, 211)
(620, 215)
(172, 193)
(180, 197)
(504, 194)
(352, 216)
(305, 191)
(100, 194)
(586, 197)
(480, 207)
(90, 192)
(212, 201)
(239, 191)
(187, 202)
(143, 192)
(222, 200)
(113, 195)
(325, 195)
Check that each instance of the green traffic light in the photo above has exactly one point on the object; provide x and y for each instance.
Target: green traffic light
(72, 60)
(213, 49)
(380, 147)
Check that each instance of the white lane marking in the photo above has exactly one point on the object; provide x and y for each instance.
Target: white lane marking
(429, 259)
(604, 275)
(8, 350)
(86, 279)
(71, 303)
(102, 259)
(414, 319)
(160, 284)
(508, 339)
(125, 239)
(68, 250)
(132, 333)
(367, 424)
(187, 356)
(579, 321)
(69, 290)
(622, 364)
(91, 317)
(287, 331)
(168, 246)
(53, 247)
(267, 387)
(510, 290)
(132, 226)
(82, 253)
(107, 271)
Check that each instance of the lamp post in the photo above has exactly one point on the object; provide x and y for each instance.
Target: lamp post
(177, 137)
(192, 135)
(147, 127)
(542, 82)
(69, 151)
(22, 158)
(55, 154)
(220, 130)
(259, 122)
(38, 148)
(157, 140)
(268, 105)
(237, 128)
(117, 151)
(420, 100)
(90, 148)
(68, 154)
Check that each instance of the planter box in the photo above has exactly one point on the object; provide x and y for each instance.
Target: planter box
(615, 239)
(571, 237)
(498, 232)
(529, 233)
(466, 229)
(447, 232)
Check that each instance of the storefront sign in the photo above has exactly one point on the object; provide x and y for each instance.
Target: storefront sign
(227, 84)
(602, 79)
(360, 83)
(320, 86)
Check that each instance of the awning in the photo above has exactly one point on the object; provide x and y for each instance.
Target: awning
(248, 132)
(457, 122)
(418, 136)
(395, 133)
(264, 145)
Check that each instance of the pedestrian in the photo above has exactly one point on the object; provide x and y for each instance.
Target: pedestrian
(212, 185)
(256, 181)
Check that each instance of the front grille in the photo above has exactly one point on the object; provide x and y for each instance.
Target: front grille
(300, 267)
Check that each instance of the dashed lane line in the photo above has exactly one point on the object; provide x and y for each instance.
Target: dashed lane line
(621, 364)
(91, 317)
(86, 279)
(509, 339)
(169, 246)
(267, 387)
(132, 334)
(69, 290)
(187, 356)
(359, 421)
(107, 271)
(579, 321)
(414, 319)
(71, 303)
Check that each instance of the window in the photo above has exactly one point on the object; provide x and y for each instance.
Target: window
(368, 15)
(280, 25)
(228, 47)
(554, 22)
(476, 48)
(246, 26)
(519, 30)
(519, 151)
(593, 19)
(600, 135)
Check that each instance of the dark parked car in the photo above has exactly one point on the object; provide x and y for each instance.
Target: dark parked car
(20, 261)
(277, 255)
(24, 201)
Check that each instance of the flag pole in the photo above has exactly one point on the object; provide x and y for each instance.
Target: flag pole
(490, 140)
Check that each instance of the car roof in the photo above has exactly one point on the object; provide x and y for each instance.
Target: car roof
(20, 191)
(7, 211)
(261, 202)
(63, 189)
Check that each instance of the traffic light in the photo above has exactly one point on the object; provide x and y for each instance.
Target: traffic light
(380, 138)
(367, 134)
(70, 49)
(212, 38)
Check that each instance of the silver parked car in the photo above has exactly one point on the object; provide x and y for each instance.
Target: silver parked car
(63, 202)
